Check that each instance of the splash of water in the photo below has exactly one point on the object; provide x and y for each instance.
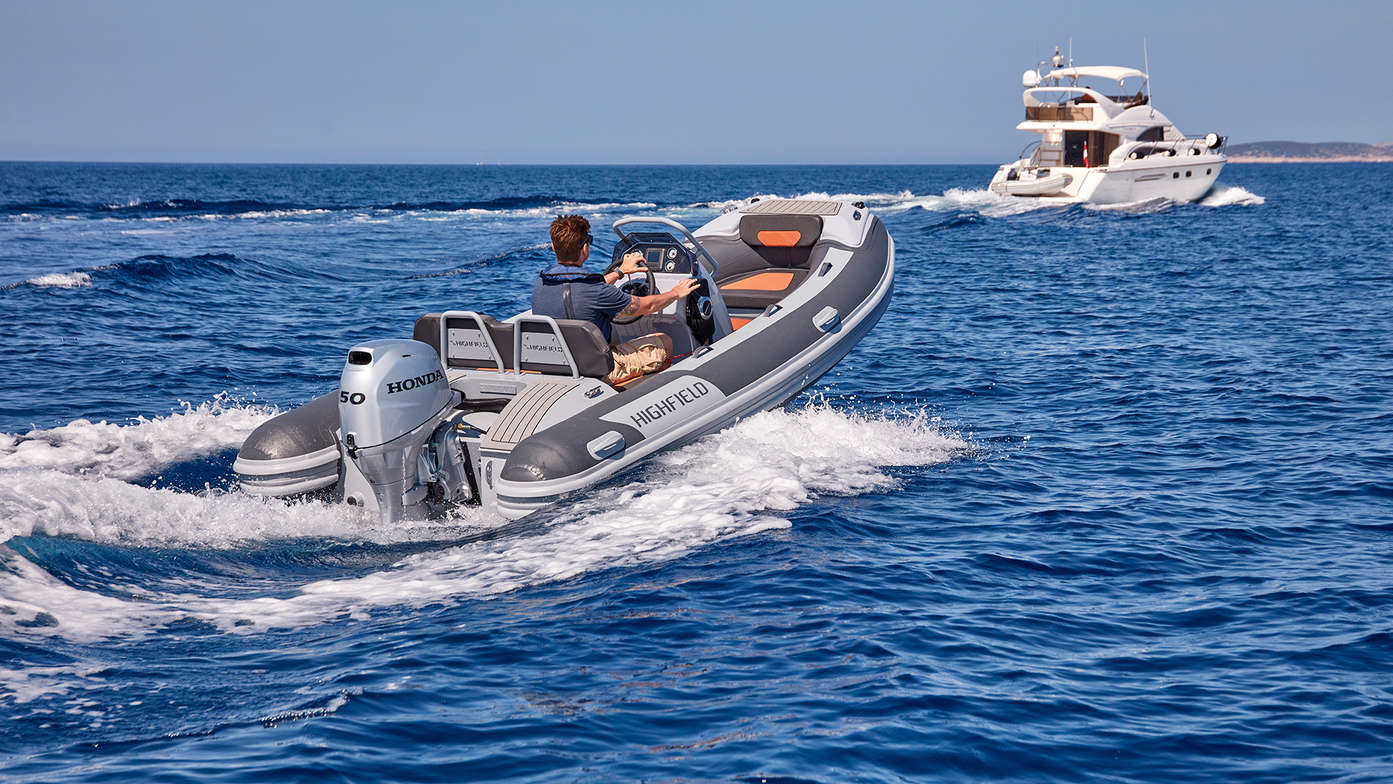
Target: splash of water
(739, 482)
(1231, 195)
(136, 449)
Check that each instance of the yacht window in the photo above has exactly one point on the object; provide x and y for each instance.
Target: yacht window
(1153, 134)
(1100, 146)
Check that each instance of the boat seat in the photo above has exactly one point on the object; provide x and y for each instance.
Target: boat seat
(780, 231)
(541, 353)
(468, 348)
(674, 327)
(781, 240)
(759, 289)
(427, 330)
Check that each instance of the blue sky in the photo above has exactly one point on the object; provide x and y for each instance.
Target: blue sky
(652, 82)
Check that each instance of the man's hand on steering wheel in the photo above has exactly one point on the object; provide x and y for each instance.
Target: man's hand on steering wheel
(632, 263)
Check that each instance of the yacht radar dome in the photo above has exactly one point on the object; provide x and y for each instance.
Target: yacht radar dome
(1031, 78)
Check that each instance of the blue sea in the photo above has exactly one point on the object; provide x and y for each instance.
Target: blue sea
(1107, 496)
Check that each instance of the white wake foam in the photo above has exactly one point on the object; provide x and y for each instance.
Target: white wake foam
(136, 449)
(1219, 196)
(31, 683)
(102, 509)
(1231, 195)
(954, 199)
(980, 200)
(61, 280)
(735, 483)
(985, 201)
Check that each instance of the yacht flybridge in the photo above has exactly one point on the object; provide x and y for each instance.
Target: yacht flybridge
(1104, 147)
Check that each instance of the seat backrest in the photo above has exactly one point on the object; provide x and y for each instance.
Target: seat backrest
(540, 350)
(427, 330)
(476, 341)
(781, 240)
(471, 340)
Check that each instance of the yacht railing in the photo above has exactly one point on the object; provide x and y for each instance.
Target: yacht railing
(1173, 147)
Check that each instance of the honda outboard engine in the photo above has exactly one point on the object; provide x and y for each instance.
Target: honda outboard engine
(393, 397)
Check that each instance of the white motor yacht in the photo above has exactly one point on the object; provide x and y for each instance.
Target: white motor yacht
(1104, 147)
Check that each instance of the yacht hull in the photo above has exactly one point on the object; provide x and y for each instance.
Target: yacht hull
(1184, 181)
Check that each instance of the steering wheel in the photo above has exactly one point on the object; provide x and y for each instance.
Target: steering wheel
(649, 283)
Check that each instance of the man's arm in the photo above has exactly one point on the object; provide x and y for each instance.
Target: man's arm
(642, 306)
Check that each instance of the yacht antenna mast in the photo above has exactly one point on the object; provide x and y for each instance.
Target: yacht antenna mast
(1146, 66)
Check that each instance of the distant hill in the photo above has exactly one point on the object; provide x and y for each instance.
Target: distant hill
(1308, 152)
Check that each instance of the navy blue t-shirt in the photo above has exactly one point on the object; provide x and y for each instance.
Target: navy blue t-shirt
(596, 302)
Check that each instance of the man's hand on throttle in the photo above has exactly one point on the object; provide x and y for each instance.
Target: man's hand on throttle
(684, 287)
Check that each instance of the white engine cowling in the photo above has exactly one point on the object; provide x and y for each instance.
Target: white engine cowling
(392, 396)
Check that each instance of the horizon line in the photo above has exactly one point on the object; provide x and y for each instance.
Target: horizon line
(475, 163)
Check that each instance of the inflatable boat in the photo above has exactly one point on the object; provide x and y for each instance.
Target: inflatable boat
(515, 414)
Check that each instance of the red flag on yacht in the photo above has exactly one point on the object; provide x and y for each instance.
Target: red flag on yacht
(1085, 155)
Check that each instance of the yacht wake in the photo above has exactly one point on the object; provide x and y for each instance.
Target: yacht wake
(952, 200)
(1231, 195)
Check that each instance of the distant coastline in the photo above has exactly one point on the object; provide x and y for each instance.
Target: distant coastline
(1309, 152)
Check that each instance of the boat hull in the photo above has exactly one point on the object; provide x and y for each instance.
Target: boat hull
(774, 366)
(293, 453)
(1178, 180)
(761, 366)
(804, 282)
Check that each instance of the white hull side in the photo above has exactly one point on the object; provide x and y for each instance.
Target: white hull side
(1126, 184)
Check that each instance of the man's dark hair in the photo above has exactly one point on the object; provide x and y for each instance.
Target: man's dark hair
(569, 233)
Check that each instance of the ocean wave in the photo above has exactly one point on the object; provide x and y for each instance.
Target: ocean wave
(166, 210)
(148, 268)
(193, 207)
(487, 261)
(771, 464)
